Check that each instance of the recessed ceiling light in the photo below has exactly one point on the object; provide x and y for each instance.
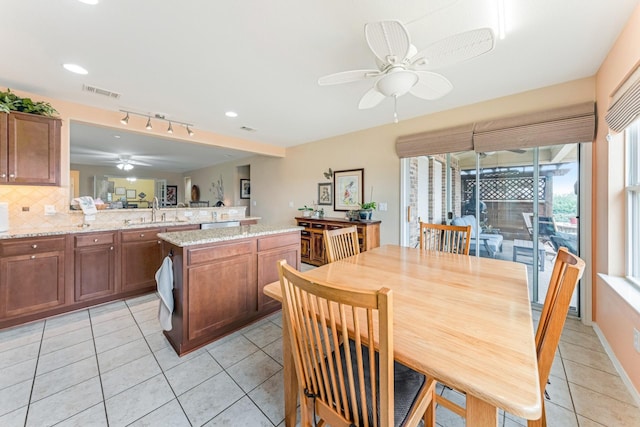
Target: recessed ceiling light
(116, 136)
(231, 114)
(75, 68)
(91, 2)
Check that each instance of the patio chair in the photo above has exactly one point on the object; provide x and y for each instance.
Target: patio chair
(341, 380)
(490, 243)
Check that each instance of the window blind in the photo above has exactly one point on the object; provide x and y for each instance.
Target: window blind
(448, 140)
(625, 104)
(575, 123)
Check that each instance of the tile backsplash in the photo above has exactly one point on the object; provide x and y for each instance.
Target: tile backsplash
(27, 210)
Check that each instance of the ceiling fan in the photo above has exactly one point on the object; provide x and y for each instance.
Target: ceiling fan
(402, 68)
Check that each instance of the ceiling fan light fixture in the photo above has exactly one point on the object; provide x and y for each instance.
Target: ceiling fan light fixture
(396, 83)
(125, 120)
(148, 126)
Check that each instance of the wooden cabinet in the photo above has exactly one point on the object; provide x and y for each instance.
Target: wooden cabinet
(29, 149)
(32, 276)
(95, 265)
(312, 238)
(141, 256)
(218, 286)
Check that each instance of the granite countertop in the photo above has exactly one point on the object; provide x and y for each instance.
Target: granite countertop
(119, 226)
(214, 235)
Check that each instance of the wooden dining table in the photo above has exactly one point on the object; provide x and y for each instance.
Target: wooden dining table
(463, 320)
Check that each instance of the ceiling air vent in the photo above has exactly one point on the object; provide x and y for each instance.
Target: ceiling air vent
(248, 129)
(103, 92)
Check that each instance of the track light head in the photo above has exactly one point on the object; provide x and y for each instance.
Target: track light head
(170, 130)
(189, 131)
(148, 126)
(125, 119)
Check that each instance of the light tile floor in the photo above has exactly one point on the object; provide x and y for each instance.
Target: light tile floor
(111, 365)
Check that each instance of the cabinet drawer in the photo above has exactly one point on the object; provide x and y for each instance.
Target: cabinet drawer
(303, 224)
(305, 233)
(197, 256)
(21, 247)
(140, 235)
(318, 226)
(334, 227)
(266, 243)
(95, 240)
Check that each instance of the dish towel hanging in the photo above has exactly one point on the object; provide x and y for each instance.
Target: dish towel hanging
(164, 279)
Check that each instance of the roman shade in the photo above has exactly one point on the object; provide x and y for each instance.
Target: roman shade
(448, 140)
(564, 125)
(625, 104)
(571, 124)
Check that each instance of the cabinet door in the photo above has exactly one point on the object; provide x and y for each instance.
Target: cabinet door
(141, 256)
(305, 246)
(220, 293)
(94, 272)
(33, 150)
(268, 272)
(317, 248)
(31, 283)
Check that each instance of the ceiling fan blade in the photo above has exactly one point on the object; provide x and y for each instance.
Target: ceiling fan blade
(518, 150)
(456, 48)
(370, 99)
(431, 86)
(388, 40)
(347, 77)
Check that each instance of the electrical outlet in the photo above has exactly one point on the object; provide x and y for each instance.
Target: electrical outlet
(636, 339)
(290, 204)
(383, 206)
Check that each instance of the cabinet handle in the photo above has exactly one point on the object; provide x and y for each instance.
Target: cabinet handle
(34, 246)
(141, 234)
(33, 257)
(12, 175)
(111, 248)
(4, 175)
(95, 240)
(159, 242)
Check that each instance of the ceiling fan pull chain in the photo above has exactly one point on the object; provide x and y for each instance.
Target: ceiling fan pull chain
(395, 108)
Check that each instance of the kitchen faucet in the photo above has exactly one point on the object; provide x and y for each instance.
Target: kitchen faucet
(155, 205)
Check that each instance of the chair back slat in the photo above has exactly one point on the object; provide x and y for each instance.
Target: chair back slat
(326, 325)
(445, 238)
(341, 243)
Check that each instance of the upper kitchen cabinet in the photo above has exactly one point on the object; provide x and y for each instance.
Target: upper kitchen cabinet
(29, 149)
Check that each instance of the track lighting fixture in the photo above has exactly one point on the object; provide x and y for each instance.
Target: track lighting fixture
(149, 126)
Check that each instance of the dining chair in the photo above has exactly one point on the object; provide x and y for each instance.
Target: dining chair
(340, 381)
(445, 238)
(341, 243)
(567, 271)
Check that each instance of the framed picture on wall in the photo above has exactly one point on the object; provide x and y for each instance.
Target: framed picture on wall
(245, 189)
(348, 187)
(172, 195)
(131, 194)
(120, 191)
(324, 194)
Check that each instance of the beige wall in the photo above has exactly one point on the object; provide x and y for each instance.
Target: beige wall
(615, 317)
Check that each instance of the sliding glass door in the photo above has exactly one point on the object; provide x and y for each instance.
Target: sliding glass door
(522, 204)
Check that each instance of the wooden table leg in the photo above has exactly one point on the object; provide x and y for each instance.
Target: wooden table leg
(480, 413)
(290, 380)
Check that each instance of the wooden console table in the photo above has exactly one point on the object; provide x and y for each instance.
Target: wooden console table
(312, 242)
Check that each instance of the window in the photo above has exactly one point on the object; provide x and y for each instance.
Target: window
(633, 200)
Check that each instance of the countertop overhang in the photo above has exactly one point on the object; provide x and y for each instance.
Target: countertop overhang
(215, 235)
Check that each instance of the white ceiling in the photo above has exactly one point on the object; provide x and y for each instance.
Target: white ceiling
(193, 60)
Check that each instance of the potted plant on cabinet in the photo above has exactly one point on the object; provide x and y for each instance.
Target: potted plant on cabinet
(9, 102)
(306, 211)
(366, 210)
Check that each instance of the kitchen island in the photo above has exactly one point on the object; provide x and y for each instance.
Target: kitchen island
(218, 278)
